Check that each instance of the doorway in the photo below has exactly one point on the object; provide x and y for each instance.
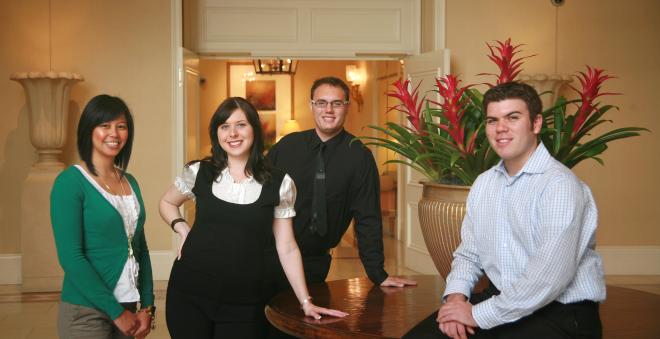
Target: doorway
(222, 78)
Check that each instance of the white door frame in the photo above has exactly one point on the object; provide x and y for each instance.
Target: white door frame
(178, 118)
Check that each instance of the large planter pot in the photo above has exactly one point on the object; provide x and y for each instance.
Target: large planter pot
(441, 212)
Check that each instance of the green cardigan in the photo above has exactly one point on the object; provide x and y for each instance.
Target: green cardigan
(92, 245)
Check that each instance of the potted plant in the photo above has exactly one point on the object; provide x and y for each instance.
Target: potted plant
(446, 141)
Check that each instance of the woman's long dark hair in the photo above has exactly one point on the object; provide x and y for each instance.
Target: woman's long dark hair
(100, 109)
(257, 166)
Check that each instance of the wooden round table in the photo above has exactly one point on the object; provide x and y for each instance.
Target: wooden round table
(390, 312)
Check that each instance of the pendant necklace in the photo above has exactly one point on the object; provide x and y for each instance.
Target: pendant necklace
(121, 201)
(133, 268)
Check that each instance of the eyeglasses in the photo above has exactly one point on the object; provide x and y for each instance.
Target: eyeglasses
(324, 104)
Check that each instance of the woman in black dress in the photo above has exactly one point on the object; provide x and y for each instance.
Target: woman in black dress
(218, 286)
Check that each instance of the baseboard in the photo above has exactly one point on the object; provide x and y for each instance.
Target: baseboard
(10, 266)
(630, 260)
(10, 269)
(419, 260)
(617, 260)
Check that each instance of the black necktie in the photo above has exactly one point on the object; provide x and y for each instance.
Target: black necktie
(319, 209)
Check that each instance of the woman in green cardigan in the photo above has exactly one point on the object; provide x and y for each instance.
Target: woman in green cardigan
(98, 216)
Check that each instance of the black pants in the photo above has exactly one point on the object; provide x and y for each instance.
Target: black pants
(554, 321)
(191, 316)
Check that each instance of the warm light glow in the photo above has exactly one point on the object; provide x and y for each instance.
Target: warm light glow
(355, 77)
(275, 66)
(249, 76)
(290, 126)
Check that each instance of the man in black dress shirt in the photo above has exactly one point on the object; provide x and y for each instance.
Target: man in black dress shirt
(352, 189)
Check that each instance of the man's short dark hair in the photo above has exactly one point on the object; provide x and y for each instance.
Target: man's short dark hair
(515, 90)
(331, 81)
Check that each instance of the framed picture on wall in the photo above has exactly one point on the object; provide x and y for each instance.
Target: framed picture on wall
(269, 94)
(268, 126)
(261, 94)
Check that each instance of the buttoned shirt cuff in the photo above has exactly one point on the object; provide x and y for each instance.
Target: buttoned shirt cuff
(484, 314)
(456, 286)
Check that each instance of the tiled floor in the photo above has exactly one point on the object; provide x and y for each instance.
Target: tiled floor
(34, 316)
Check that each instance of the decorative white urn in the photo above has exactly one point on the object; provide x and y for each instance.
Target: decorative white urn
(47, 95)
(546, 83)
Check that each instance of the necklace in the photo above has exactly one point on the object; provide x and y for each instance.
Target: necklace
(121, 201)
(121, 184)
(130, 220)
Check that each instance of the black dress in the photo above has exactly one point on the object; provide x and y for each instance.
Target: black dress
(219, 289)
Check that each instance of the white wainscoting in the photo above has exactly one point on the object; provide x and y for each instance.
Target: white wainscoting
(161, 264)
(618, 260)
(308, 28)
(10, 269)
(10, 266)
(630, 260)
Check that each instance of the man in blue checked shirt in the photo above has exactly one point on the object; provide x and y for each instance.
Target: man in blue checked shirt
(530, 227)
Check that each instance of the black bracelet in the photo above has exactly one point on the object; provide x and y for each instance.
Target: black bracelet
(176, 221)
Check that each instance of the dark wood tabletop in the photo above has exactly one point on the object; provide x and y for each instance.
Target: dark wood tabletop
(390, 312)
(374, 311)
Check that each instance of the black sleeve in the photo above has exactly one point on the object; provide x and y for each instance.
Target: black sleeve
(272, 154)
(368, 223)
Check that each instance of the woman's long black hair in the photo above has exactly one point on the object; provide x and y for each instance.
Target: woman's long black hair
(100, 109)
(257, 166)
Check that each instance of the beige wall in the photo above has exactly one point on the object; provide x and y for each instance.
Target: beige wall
(310, 70)
(122, 48)
(618, 36)
(119, 52)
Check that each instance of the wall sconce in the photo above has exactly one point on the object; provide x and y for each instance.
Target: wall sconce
(355, 77)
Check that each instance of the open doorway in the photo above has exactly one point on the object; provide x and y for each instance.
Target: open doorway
(287, 99)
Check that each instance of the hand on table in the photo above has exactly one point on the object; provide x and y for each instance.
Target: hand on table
(397, 282)
(315, 312)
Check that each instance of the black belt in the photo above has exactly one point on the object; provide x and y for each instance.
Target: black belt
(586, 303)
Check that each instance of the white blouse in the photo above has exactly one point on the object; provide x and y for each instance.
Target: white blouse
(126, 290)
(244, 192)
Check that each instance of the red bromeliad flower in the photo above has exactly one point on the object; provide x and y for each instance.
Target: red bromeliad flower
(408, 102)
(591, 82)
(503, 56)
(453, 109)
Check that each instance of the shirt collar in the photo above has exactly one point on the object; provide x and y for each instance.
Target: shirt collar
(537, 163)
(315, 141)
(225, 176)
